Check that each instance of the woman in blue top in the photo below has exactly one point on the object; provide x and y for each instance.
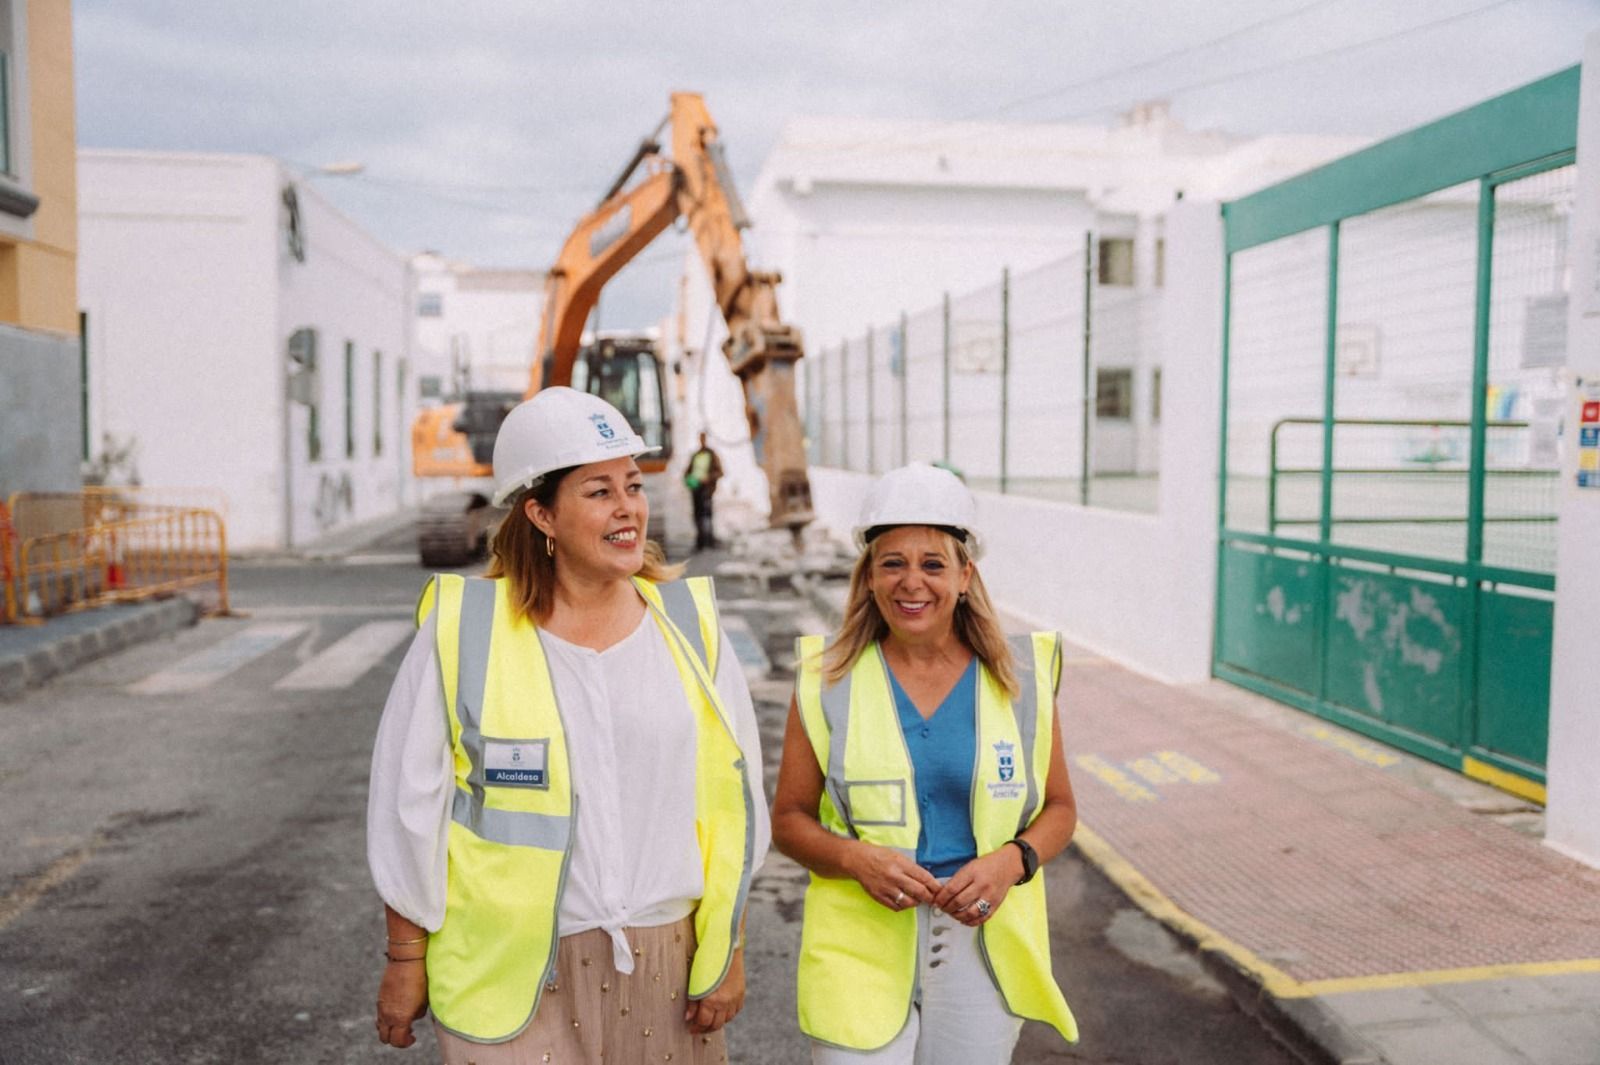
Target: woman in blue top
(917, 604)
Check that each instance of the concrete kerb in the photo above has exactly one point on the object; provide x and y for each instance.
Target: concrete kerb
(30, 656)
(1303, 1025)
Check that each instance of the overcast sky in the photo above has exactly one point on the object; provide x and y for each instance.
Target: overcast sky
(487, 127)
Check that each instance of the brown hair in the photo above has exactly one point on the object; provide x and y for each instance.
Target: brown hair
(976, 624)
(521, 556)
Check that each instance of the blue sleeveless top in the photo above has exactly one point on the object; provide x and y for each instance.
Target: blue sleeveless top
(943, 750)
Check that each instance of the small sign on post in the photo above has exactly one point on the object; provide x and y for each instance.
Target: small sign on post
(1587, 401)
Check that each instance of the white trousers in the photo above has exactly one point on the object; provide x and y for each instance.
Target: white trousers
(959, 1018)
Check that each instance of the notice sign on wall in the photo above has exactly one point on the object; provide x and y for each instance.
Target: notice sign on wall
(1588, 403)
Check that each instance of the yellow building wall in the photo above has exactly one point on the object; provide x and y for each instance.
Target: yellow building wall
(43, 293)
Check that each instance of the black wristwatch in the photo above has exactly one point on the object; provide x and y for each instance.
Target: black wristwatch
(1030, 859)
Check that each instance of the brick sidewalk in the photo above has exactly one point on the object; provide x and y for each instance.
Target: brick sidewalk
(1402, 925)
(1322, 865)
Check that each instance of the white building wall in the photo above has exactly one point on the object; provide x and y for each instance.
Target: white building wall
(356, 294)
(192, 294)
(1572, 824)
(488, 321)
(175, 272)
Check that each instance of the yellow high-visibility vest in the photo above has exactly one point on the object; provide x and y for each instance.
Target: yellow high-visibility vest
(858, 959)
(512, 819)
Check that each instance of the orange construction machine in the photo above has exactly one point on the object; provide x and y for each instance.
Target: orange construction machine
(651, 193)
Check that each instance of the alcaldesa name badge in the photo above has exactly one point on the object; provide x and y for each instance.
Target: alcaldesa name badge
(515, 763)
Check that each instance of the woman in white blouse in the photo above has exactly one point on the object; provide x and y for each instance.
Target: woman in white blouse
(565, 809)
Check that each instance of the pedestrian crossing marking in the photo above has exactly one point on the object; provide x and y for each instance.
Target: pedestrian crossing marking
(344, 662)
(217, 661)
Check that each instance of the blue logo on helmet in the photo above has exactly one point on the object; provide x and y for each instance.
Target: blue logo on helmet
(600, 424)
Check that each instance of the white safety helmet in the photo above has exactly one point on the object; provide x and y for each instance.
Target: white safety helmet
(559, 427)
(920, 494)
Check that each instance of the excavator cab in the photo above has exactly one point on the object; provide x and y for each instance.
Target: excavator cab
(626, 373)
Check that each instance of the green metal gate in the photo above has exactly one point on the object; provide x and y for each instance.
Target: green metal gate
(1394, 347)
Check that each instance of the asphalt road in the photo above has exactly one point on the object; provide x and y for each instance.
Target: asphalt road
(185, 880)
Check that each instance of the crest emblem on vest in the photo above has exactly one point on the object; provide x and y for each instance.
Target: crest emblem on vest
(602, 426)
(1006, 760)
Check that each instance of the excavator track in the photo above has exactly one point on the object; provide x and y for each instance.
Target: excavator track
(454, 530)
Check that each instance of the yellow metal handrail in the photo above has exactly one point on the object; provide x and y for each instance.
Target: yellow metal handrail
(8, 545)
(35, 514)
(167, 551)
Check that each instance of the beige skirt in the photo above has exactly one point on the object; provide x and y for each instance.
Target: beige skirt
(596, 1016)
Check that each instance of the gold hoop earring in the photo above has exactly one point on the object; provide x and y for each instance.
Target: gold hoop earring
(550, 546)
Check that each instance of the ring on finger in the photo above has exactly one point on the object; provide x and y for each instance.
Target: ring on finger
(899, 897)
(983, 907)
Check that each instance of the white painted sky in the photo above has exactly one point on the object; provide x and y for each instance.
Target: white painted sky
(487, 127)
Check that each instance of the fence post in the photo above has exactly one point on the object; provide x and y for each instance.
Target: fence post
(1088, 334)
(844, 404)
(1005, 376)
(905, 375)
(814, 422)
(945, 355)
(872, 412)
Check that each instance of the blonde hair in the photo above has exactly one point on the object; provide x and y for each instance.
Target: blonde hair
(976, 624)
(521, 556)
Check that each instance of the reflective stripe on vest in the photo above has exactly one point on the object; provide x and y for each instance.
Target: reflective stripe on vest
(514, 808)
(858, 960)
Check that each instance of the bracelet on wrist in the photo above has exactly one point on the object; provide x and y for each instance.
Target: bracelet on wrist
(391, 957)
(408, 942)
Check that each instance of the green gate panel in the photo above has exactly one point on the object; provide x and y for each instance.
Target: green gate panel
(1514, 675)
(1269, 624)
(1394, 651)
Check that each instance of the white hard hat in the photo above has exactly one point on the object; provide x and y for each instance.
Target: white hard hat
(920, 494)
(559, 427)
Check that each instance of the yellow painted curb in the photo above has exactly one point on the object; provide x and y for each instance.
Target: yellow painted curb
(1520, 786)
(1452, 976)
(1151, 900)
(1273, 980)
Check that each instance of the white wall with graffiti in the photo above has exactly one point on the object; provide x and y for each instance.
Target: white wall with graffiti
(245, 337)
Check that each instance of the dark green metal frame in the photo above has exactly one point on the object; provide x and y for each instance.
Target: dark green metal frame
(1513, 136)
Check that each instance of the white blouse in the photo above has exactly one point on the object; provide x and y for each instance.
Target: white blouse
(632, 741)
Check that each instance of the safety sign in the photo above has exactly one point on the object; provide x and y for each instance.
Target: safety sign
(1588, 401)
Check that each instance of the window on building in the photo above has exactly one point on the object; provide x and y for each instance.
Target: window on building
(1161, 261)
(430, 386)
(349, 399)
(1113, 394)
(305, 387)
(1155, 394)
(5, 106)
(83, 383)
(1116, 261)
(17, 199)
(377, 403)
(430, 304)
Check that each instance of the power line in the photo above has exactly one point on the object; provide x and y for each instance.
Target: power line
(1120, 72)
(1203, 83)
(1268, 68)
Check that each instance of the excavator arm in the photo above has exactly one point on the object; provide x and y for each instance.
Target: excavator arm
(600, 245)
(761, 349)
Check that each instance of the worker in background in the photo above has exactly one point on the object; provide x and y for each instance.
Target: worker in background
(923, 784)
(701, 477)
(535, 926)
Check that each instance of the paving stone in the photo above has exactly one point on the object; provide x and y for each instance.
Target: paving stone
(1390, 1006)
(1569, 1039)
(1439, 1044)
(1503, 998)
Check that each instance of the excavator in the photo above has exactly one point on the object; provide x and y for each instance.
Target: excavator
(651, 193)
